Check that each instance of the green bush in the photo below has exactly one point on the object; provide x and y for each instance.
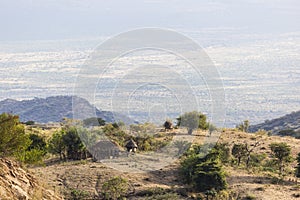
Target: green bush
(33, 156)
(298, 166)
(13, 139)
(203, 173)
(115, 188)
(56, 145)
(192, 121)
(76, 194)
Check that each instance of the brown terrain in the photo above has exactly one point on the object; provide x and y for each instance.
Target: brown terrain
(56, 179)
(243, 184)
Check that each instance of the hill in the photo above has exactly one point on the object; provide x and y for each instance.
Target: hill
(285, 125)
(51, 109)
(255, 183)
(17, 183)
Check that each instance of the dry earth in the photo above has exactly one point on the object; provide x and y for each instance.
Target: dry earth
(89, 176)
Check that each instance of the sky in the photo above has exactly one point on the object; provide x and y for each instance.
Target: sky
(67, 19)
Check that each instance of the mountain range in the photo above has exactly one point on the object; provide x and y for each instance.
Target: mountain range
(286, 125)
(52, 109)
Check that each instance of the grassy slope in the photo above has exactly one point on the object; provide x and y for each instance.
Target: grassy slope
(89, 176)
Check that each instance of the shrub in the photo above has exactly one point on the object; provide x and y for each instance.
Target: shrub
(239, 151)
(76, 194)
(298, 166)
(13, 139)
(115, 188)
(282, 154)
(193, 120)
(56, 145)
(203, 172)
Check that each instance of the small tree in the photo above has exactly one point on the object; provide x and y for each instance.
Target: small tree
(282, 153)
(13, 139)
(74, 147)
(249, 150)
(298, 166)
(193, 120)
(244, 126)
(203, 173)
(239, 151)
(56, 145)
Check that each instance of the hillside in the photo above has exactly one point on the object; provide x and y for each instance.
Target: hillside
(285, 125)
(50, 109)
(17, 183)
(255, 183)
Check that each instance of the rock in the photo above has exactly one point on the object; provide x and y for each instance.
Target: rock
(16, 183)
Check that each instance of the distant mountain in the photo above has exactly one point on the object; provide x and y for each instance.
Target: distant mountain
(286, 125)
(52, 109)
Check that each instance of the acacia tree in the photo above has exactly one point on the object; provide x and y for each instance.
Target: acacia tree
(239, 151)
(282, 153)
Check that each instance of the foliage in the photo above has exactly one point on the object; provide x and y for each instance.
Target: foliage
(244, 126)
(145, 142)
(32, 156)
(13, 139)
(74, 147)
(298, 166)
(76, 194)
(30, 123)
(239, 151)
(38, 142)
(203, 173)
(182, 146)
(157, 193)
(224, 152)
(115, 188)
(94, 121)
(256, 159)
(67, 144)
(193, 120)
(282, 153)
(56, 145)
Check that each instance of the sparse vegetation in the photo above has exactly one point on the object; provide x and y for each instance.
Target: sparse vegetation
(282, 154)
(203, 172)
(115, 188)
(192, 121)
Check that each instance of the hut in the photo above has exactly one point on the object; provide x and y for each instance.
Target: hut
(131, 146)
(105, 149)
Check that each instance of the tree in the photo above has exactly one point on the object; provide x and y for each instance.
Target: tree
(282, 153)
(203, 173)
(74, 147)
(13, 139)
(38, 142)
(298, 166)
(239, 151)
(249, 150)
(244, 126)
(56, 145)
(193, 120)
